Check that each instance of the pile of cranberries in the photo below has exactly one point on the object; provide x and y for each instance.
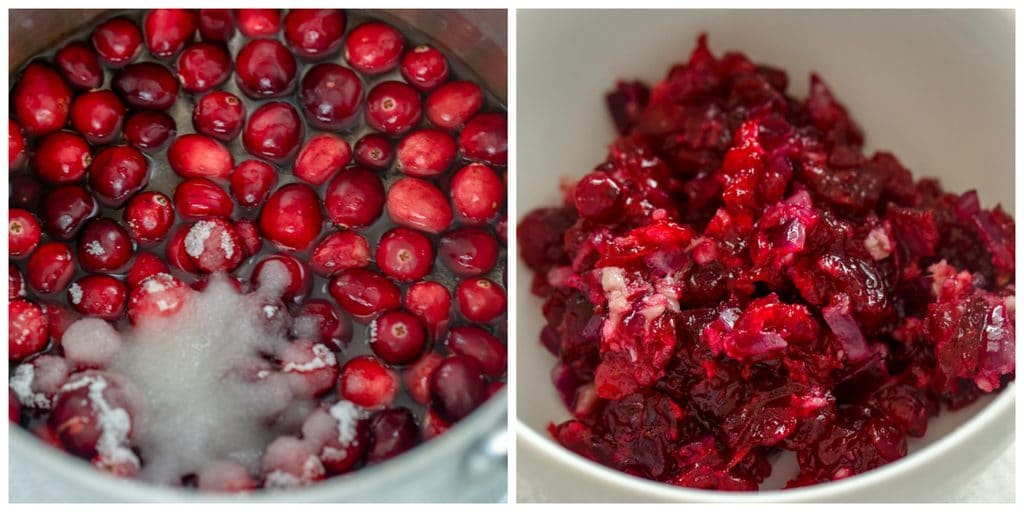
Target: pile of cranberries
(738, 279)
(162, 147)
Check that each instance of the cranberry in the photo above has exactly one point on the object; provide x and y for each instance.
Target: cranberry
(26, 329)
(426, 153)
(149, 130)
(177, 253)
(319, 320)
(339, 251)
(354, 198)
(454, 103)
(299, 284)
(321, 157)
(80, 66)
(252, 241)
(432, 425)
(477, 194)
(366, 382)
(424, 67)
(169, 30)
(226, 476)
(468, 251)
(416, 378)
(149, 217)
(397, 337)
(314, 33)
(373, 151)
(479, 299)
(78, 410)
(457, 388)
(404, 254)
(26, 191)
(62, 157)
(41, 99)
(199, 197)
(292, 219)
(213, 245)
(98, 116)
(104, 246)
(117, 173)
(274, 132)
(374, 47)
(418, 204)
(15, 144)
(432, 302)
(199, 156)
(65, 209)
(146, 264)
(147, 85)
(216, 25)
(258, 22)
(393, 107)
(15, 282)
(23, 233)
(330, 94)
(312, 365)
(598, 197)
(251, 182)
(485, 138)
(364, 293)
(392, 432)
(159, 295)
(59, 317)
(203, 66)
(264, 68)
(480, 346)
(117, 41)
(220, 115)
(13, 407)
(98, 295)
(341, 435)
(290, 462)
(50, 268)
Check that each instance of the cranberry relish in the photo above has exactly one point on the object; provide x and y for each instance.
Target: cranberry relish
(738, 278)
(166, 149)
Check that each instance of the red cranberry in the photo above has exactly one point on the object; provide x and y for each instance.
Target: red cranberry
(321, 157)
(149, 130)
(50, 268)
(331, 95)
(432, 302)
(77, 417)
(251, 182)
(146, 264)
(374, 47)
(98, 295)
(199, 197)
(397, 337)
(203, 66)
(258, 22)
(313, 367)
(15, 144)
(62, 157)
(216, 25)
(485, 138)
(104, 246)
(252, 241)
(416, 378)
(264, 68)
(367, 382)
(374, 152)
(479, 299)
(314, 33)
(15, 282)
(213, 245)
(453, 104)
(41, 99)
(168, 31)
(426, 153)
(26, 191)
(117, 41)
(65, 209)
(432, 425)
(98, 116)
(159, 295)
(597, 197)
(291, 219)
(364, 293)
(13, 407)
(480, 346)
(354, 198)
(23, 233)
(392, 433)
(339, 251)
(220, 115)
(319, 320)
(468, 251)
(147, 85)
(299, 284)
(177, 255)
(424, 67)
(457, 388)
(289, 462)
(224, 476)
(274, 132)
(393, 107)
(26, 329)
(80, 66)
(405, 254)
(340, 434)
(117, 173)
(59, 317)
(418, 204)
(149, 217)
(199, 156)
(477, 194)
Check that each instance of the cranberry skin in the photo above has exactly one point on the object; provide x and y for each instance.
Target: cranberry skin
(426, 153)
(98, 115)
(62, 157)
(169, 30)
(300, 280)
(99, 296)
(224, 476)
(321, 157)
(50, 268)
(485, 138)
(477, 194)
(424, 67)
(432, 302)
(374, 152)
(199, 197)
(393, 107)
(252, 241)
(311, 367)
(480, 346)
(15, 144)
(26, 191)
(220, 115)
(203, 66)
(258, 22)
(65, 209)
(176, 254)
(314, 33)
(146, 265)
(330, 327)
(104, 246)
(292, 219)
(26, 330)
(339, 251)
(15, 282)
(251, 182)
(597, 197)
(392, 433)
(457, 388)
(76, 417)
(149, 130)
(216, 25)
(468, 251)
(80, 66)
(454, 103)
(479, 299)
(274, 132)
(367, 382)
(264, 68)
(418, 204)
(160, 295)
(416, 377)
(354, 198)
(213, 245)
(147, 85)
(117, 41)
(149, 217)
(331, 95)
(23, 233)
(405, 254)
(374, 48)
(198, 156)
(13, 407)
(364, 293)
(397, 337)
(41, 100)
(117, 173)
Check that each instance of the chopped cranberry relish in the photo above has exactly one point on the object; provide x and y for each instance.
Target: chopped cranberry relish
(738, 278)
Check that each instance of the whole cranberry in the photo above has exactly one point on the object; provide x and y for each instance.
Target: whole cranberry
(374, 47)
(176, 252)
(117, 173)
(80, 66)
(249, 232)
(480, 299)
(331, 95)
(117, 41)
(62, 157)
(264, 68)
(393, 107)
(15, 144)
(597, 197)
(339, 251)
(13, 407)
(65, 209)
(432, 425)
(364, 293)
(405, 254)
(481, 346)
(213, 245)
(424, 67)
(168, 31)
(290, 462)
(311, 367)
(50, 268)
(392, 433)
(292, 219)
(485, 138)
(26, 191)
(457, 388)
(78, 419)
(149, 130)
(416, 377)
(314, 33)
(220, 115)
(397, 337)
(274, 132)
(258, 22)
(477, 194)
(266, 275)
(354, 198)
(26, 330)
(159, 295)
(319, 320)
(145, 265)
(195, 198)
(15, 282)
(418, 204)
(367, 382)
(468, 251)
(98, 115)
(321, 157)
(432, 302)
(98, 295)
(340, 434)
(216, 25)
(41, 99)
(198, 156)
(251, 182)
(149, 217)
(374, 152)
(104, 246)
(23, 233)
(203, 66)
(453, 104)
(426, 153)
(147, 85)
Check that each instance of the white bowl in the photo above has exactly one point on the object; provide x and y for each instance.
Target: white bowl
(935, 87)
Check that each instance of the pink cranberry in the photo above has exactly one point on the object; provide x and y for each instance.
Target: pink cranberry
(251, 182)
(220, 115)
(432, 302)
(264, 68)
(26, 329)
(291, 219)
(169, 30)
(15, 144)
(339, 251)
(480, 346)
(198, 156)
(258, 22)
(98, 295)
(252, 241)
(80, 66)
(15, 282)
(41, 99)
(117, 41)
(367, 382)
(364, 293)
(374, 47)
(149, 217)
(418, 204)
(226, 475)
(23, 233)
(213, 245)
(404, 254)
(416, 378)
(477, 194)
(65, 209)
(117, 173)
(77, 417)
(104, 246)
(216, 25)
(397, 337)
(393, 107)
(146, 264)
(203, 66)
(50, 268)
(321, 157)
(479, 299)
(149, 130)
(157, 296)
(313, 367)
(392, 433)
(274, 132)
(426, 153)
(176, 252)
(147, 85)
(62, 157)
(374, 152)
(468, 251)
(299, 284)
(98, 115)
(314, 33)
(330, 94)
(454, 103)
(319, 320)
(424, 67)
(289, 462)
(485, 138)
(354, 198)
(457, 388)
(199, 197)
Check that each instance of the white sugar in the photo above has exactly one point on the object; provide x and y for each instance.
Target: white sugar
(195, 240)
(226, 244)
(322, 358)
(94, 248)
(348, 415)
(114, 422)
(21, 384)
(76, 293)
